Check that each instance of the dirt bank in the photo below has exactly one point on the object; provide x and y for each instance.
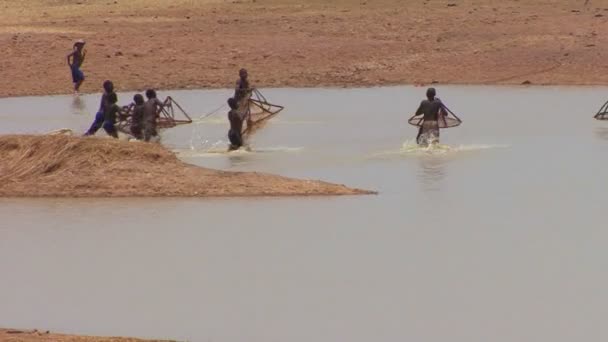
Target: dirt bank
(192, 44)
(15, 335)
(64, 166)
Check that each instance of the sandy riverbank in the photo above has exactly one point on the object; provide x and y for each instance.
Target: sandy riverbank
(64, 166)
(16, 335)
(174, 44)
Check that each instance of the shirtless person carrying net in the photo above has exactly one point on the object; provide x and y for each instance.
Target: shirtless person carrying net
(432, 115)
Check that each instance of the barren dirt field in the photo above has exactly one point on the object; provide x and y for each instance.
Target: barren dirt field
(170, 44)
(14, 335)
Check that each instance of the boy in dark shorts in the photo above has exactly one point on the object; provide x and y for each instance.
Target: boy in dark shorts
(111, 113)
(150, 114)
(236, 125)
(432, 108)
(243, 88)
(108, 88)
(75, 60)
(137, 121)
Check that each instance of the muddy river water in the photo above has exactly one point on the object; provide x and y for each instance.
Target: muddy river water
(499, 236)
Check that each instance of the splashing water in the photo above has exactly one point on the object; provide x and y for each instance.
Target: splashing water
(214, 120)
(203, 119)
(410, 147)
(219, 148)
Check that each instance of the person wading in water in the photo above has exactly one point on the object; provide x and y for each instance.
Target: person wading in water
(432, 108)
(110, 115)
(243, 88)
(151, 107)
(236, 119)
(108, 88)
(137, 121)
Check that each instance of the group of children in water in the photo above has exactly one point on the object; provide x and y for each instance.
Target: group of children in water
(145, 113)
(143, 118)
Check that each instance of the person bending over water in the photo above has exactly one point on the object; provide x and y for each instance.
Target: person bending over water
(108, 87)
(236, 125)
(75, 60)
(432, 107)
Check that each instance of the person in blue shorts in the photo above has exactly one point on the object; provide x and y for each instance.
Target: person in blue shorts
(111, 115)
(108, 88)
(75, 60)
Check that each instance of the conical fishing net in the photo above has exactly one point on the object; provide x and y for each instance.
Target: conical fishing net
(602, 114)
(260, 111)
(447, 120)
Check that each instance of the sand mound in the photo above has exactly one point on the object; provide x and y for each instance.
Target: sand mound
(59, 165)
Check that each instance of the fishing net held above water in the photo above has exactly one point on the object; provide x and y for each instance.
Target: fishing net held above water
(602, 114)
(260, 111)
(446, 119)
(169, 115)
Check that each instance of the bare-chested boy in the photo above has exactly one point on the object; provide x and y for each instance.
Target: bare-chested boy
(243, 88)
(151, 114)
(111, 114)
(137, 121)
(108, 87)
(432, 108)
(75, 60)
(236, 125)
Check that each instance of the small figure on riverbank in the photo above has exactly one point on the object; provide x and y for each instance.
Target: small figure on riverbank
(108, 88)
(75, 60)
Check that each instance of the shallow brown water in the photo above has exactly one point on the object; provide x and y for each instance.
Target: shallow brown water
(500, 236)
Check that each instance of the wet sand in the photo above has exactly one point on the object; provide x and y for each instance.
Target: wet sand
(64, 166)
(16, 335)
(287, 43)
